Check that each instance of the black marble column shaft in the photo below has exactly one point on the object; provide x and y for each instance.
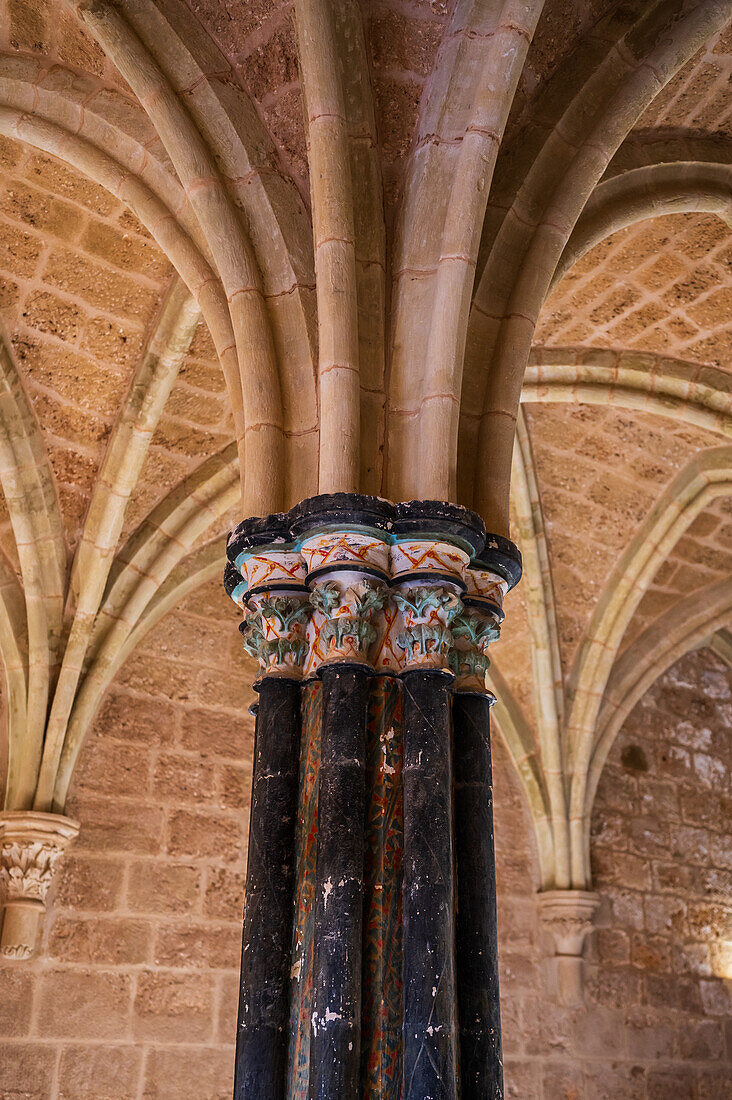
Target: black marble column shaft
(479, 1011)
(263, 1019)
(430, 1019)
(335, 1037)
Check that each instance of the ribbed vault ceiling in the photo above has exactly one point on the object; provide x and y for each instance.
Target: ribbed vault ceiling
(162, 320)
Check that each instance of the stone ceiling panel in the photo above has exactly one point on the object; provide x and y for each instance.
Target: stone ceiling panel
(703, 556)
(698, 96)
(600, 471)
(83, 283)
(48, 28)
(661, 285)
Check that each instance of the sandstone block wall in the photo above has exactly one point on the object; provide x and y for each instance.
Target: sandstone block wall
(134, 995)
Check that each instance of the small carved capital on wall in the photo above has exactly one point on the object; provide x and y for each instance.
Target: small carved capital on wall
(567, 917)
(31, 847)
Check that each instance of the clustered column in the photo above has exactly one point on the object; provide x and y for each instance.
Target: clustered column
(370, 622)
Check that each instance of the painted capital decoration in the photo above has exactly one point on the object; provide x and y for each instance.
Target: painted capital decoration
(31, 847)
(372, 791)
(389, 586)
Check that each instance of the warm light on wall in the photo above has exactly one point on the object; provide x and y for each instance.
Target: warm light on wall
(721, 956)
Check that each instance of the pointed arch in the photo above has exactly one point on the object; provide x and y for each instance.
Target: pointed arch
(704, 479)
(30, 494)
(691, 393)
(653, 192)
(545, 656)
(151, 385)
(139, 571)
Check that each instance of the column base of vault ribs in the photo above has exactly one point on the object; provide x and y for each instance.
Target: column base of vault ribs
(352, 578)
(31, 847)
(352, 585)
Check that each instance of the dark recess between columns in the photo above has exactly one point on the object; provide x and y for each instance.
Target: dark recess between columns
(479, 1011)
(430, 1021)
(263, 1017)
(335, 1038)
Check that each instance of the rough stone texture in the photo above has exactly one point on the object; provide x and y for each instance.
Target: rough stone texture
(83, 284)
(601, 470)
(703, 556)
(142, 940)
(141, 951)
(663, 286)
(657, 1012)
(135, 995)
(47, 28)
(698, 96)
(86, 284)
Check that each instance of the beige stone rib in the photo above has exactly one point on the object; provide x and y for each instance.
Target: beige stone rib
(545, 656)
(526, 292)
(277, 220)
(79, 106)
(704, 479)
(370, 238)
(501, 65)
(721, 644)
(512, 237)
(334, 238)
(140, 569)
(519, 741)
(658, 145)
(199, 567)
(168, 531)
(447, 185)
(228, 121)
(681, 628)
(642, 193)
(190, 264)
(14, 654)
(118, 476)
(30, 495)
(691, 393)
(229, 245)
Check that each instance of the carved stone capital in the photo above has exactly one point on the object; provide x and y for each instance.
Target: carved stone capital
(567, 918)
(343, 625)
(275, 632)
(473, 631)
(385, 582)
(567, 915)
(31, 846)
(428, 611)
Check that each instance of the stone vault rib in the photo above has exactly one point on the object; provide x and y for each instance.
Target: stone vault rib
(652, 192)
(706, 477)
(686, 625)
(117, 478)
(30, 494)
(439, 232)
(230, 246)
(507, 306)
(140, 568)
(273, 210)
(545, 655)
(192, 266)
(691, 393)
